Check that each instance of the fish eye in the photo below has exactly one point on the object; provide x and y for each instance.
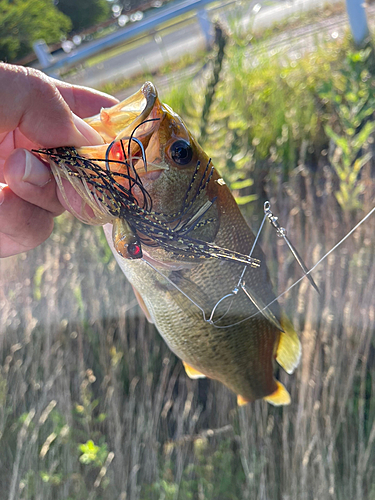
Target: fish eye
(181, 152)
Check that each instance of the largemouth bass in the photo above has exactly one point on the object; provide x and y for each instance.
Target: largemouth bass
(179, 237)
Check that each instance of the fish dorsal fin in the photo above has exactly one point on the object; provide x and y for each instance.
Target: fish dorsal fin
(192, 372)
(142, 305)
(288, 351)
(280, 397)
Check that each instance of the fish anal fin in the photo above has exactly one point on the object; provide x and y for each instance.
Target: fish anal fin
(192, 372)
(280, 397)
(288, 352)
(241, 401)
(142, 305)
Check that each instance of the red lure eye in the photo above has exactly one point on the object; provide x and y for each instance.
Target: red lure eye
(135, 250)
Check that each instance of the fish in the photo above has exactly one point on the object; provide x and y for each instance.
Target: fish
(179, 237)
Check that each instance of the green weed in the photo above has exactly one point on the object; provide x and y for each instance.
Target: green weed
(349, 96)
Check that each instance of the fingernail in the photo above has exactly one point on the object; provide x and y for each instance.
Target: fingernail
(90, 134)
(36, 172)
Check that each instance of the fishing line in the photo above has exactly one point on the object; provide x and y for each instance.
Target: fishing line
(327, 254)
(309, 271)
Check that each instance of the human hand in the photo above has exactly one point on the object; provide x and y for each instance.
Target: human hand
(37, 112)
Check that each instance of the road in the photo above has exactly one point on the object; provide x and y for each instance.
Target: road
(166, 47)
(155, 53)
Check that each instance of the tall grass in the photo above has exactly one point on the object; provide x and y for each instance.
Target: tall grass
(93, 405)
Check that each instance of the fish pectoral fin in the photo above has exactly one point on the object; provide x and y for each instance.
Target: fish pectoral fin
(192, 372)
(142, 305)
(241, 401)
(192, 290)
(288, 351)
(280, 397)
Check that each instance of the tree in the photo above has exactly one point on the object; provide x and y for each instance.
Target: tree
(22, 22)
(84, 13)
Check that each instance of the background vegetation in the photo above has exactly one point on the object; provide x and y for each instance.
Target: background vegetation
(84, 13)
(92, 403)
(22, 22)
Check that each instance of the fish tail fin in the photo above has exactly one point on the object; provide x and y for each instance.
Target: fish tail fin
(241, 401)
(280, 397)
(288, 351)
(192, 372)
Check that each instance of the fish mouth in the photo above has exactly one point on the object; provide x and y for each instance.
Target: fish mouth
(129, 129)
(122, 119)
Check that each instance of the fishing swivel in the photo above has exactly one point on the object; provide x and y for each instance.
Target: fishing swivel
(281, 232)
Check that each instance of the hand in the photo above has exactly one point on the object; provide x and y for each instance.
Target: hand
(37, 112)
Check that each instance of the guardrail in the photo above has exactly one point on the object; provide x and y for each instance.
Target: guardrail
(121, 36)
